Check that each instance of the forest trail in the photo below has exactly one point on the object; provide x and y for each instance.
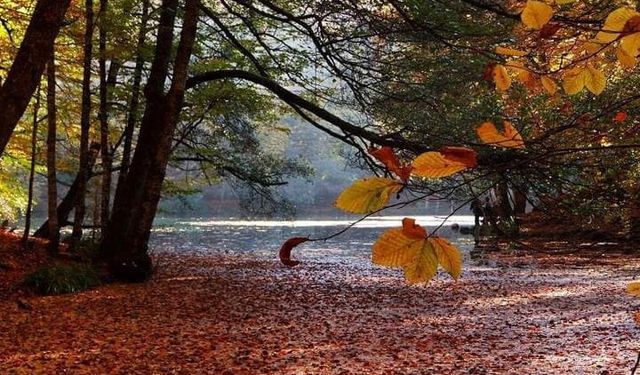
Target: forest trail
(242, 315)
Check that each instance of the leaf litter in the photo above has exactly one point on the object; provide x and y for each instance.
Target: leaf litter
(240, 314)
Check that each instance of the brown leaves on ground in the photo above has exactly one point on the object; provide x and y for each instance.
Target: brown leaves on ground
(16, 261)
(242, 315)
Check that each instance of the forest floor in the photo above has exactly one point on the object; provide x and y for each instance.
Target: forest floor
(514, 312)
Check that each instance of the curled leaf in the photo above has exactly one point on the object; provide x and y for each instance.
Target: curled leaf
(285, 250)
(464, 155)
(367, 195)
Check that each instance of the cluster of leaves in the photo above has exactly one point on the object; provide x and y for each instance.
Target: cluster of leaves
(411, 247)
(579, 61)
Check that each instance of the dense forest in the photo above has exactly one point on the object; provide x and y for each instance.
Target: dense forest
(524, 114)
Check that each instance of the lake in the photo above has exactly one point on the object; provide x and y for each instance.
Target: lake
(263, 238)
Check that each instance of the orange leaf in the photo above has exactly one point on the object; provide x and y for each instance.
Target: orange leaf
(462, 155)
(620, 117)
(285, 250)
(413, 230)
(510, 138)
(386, 155)
(433, 164)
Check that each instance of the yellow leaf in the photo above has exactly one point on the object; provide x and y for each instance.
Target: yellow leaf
(549, 85)
(433, 164)
(634, 288)
(509, 51)
(573, 81)
(630, 44)
(536, 14)
(395, 249)
(501, 78)
(562, 2)
(367, 195)
(614, 24)
(625, 60)
(594, 80)
(423, 267)
(448, 255)
(511, 138)
(523, 75)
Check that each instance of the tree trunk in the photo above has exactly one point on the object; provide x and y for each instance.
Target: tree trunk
(32, 170)
(28, 65)
(52, 182)
(505, 212)
(66, 204)
(85, 124)
(132, 116)
(106, 85)
(520, 202)
(135, 206)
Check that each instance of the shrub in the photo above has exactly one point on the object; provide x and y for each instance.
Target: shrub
(63, 278)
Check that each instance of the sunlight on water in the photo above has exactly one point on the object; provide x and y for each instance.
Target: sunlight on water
(372, 222)
(263, 238)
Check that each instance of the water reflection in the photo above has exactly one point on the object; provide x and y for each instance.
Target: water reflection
(206, 236)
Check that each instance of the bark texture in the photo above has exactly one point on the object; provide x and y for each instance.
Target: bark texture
(135, 204)
(27, 67)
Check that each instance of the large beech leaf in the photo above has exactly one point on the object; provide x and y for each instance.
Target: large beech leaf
(395, 249)
(536, 14)
(448, 255)
(549, 85)
(424, 265)
(464, 155)
(490, 135)
(433, 164)
(367, 195)
(501, 78)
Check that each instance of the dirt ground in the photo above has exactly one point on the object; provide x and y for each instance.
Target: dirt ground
(513, 314)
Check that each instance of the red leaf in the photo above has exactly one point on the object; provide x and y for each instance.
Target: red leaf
(386, 155)
(413, 230)
(620, 117)
(285, 250)
(462, 155)
(549, 30)
(487, 75)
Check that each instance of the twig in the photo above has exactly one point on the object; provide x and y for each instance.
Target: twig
(635, 367)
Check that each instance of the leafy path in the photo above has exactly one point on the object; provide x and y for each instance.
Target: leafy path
(233, 314)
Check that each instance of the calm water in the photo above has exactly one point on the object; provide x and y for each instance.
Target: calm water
(206, 236)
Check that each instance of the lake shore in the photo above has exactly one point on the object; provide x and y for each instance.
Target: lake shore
(243, 314)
